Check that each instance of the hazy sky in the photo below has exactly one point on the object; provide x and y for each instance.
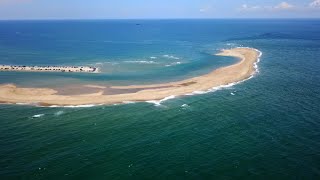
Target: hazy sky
(155, 9)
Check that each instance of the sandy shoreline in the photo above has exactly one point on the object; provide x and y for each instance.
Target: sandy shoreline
(241, 70)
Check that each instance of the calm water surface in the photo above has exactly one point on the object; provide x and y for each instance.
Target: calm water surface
(264, 128)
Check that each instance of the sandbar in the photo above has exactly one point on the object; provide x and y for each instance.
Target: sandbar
(241, 70)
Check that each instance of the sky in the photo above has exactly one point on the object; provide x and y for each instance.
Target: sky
(157, 9)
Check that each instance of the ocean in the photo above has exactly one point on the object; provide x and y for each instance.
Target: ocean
(264, 128)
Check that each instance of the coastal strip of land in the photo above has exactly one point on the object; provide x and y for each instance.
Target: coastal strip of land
(239, 71)
(84, 69)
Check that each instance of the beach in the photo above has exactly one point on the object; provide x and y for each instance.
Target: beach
(243, 69)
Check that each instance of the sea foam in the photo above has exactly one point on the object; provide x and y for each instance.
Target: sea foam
(58, 113)
(170, 57)
(128, 102)
(37, 115)
(158, 102)
(173, 64)
(142, 62)
(185, 106)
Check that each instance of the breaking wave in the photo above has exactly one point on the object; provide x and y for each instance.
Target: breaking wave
(37, 115)
(170, 57)
(142, 62)
(158, 102)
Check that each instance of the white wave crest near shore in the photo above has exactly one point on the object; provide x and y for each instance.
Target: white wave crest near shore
(173, 64)
(158, 102)
(142, 62)
(59, 113)
(37, 115)
(170, 57)
(128, 102)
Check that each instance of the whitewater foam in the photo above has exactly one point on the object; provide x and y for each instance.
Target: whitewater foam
(128, 102)
(158, 102)
(185, 106)
(170, 57)
(22, 103)
(108, 62)
(58, 113)
(37, 115)
(173, 64)
(142, 62)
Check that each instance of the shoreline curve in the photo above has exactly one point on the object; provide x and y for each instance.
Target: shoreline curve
(241, 70)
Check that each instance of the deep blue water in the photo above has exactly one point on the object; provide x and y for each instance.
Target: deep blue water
(268, 129)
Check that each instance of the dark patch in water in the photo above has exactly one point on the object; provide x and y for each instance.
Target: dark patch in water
(269, 35)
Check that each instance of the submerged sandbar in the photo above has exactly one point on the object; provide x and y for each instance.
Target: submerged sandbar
(241, 70)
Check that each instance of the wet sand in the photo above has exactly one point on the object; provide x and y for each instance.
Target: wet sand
(90, 89)
(241, 70)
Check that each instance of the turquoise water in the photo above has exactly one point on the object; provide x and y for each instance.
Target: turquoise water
(264, 128)
(125, 53)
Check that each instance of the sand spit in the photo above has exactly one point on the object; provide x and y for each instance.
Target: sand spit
(239, 71)
(49, 68)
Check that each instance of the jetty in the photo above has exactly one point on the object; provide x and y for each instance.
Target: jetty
(83, 69)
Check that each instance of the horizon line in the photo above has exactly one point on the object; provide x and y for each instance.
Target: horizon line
(233, 18)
